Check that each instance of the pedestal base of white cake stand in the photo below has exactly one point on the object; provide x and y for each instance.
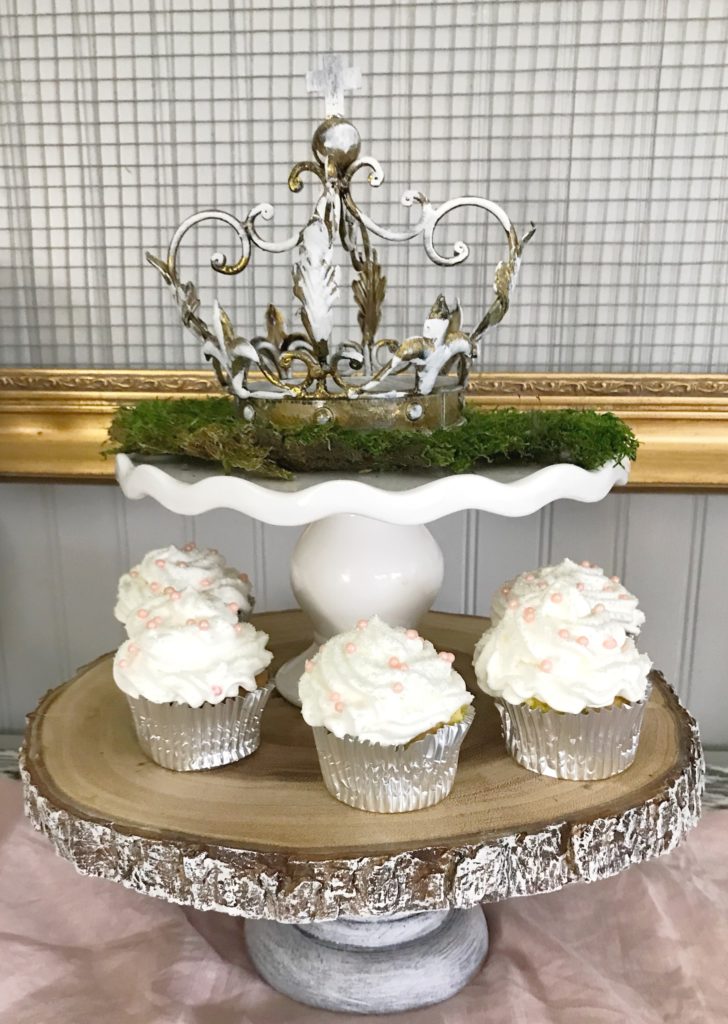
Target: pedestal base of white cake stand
(377, 965)
(348, 567)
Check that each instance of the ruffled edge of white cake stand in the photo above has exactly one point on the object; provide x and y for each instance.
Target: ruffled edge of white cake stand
(315, 496)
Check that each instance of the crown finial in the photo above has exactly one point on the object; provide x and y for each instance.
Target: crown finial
(331, 81)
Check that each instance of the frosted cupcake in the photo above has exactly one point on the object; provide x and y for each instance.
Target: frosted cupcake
(196, 690)
(389, 715)
(170, 571)
(567, 678)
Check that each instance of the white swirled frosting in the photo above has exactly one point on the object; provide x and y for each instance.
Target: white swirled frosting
(559, 637)
(171, 571)
(583, 584)
(204, 661)
(381, 683)
(181, 608)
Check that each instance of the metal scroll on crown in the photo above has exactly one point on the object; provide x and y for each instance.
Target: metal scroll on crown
(293, 377)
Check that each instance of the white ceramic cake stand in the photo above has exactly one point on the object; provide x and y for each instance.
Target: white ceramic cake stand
(366, 548)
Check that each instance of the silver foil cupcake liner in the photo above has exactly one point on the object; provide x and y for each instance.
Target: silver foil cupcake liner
(375, 777)
(188, 739)
(582, 747)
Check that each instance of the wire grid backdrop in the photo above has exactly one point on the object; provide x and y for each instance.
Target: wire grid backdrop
(604, 121)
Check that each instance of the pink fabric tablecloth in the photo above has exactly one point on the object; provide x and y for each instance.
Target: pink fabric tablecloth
(647, 947)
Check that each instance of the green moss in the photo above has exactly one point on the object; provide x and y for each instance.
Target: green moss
(200, 428)
(209, 429)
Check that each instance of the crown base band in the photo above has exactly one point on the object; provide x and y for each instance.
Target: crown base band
(441, 409)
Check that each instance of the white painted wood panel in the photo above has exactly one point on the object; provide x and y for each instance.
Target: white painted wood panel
(32, 603)
(593, 532)
(660, 568)
(453, 535)
(705, 657)
(63, 546)
(503, 547)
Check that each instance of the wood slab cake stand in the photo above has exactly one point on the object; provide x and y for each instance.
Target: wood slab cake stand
(347, 910)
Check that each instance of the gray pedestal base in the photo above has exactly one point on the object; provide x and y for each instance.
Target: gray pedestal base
(374, 965)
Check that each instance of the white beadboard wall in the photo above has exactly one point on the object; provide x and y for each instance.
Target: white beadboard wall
(63, 547)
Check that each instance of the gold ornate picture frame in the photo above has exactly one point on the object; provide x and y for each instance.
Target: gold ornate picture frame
(53, 422)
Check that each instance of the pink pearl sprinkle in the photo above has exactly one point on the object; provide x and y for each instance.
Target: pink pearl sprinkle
(530, 577)
(142, 613)
(309, 665)
(564, 634)
(579, 586)
(598, 608)
(133, 649)
(160, 562)
(362, 624)
(238, 627)
(233, 607)
(133, 573)
(614, 579)
(393, 662)
(625, 597)
(583, 640)
(190, 546)
(204, 624)
(447, 656)
(338, 706)
(121, 663)
(556, 598)
(610, 643)
(546, 665)
(216, 691)
(205, 582)
(334, 695)
(529, 614)
(505, 589)
(175, 595)
(585, 565)
(397, 687)
(154, 586)
(151, 624)
(191, 622)
(350, 648)
(412, 634)
(514, 602)
(244, 577)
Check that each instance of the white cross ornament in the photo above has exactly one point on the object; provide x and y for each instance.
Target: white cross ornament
(332, 80)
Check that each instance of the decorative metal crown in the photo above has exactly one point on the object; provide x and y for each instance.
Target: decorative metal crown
(299, 376)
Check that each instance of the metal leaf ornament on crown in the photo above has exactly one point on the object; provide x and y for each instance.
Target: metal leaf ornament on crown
(311, 364)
